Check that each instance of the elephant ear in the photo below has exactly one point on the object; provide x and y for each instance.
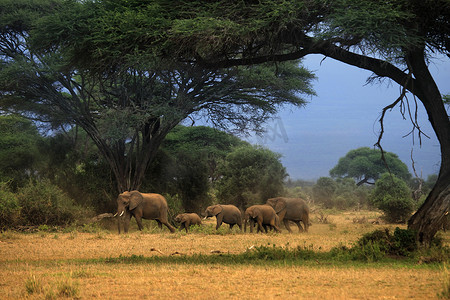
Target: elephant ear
(254, 212)
(217, 209)
(135, 199)
(280, 205)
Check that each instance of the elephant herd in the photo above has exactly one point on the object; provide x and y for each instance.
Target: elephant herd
(270, 215)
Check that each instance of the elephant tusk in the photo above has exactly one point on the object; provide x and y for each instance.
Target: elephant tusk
(121, 214)
(115, 215)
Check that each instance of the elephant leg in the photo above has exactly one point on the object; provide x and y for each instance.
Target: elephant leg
(260, 226)
(286, 224)
(306, 225)
(170, 227)
(300, 228)
(231, 226)
(219, 218)
(139, 222)
(187, 225)
(159, 224)
(126, 222)
(276, 228)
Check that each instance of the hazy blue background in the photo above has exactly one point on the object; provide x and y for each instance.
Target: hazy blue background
(344, 116)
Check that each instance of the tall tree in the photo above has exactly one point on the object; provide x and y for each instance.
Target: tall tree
(128, 106)
(365, 164)
(188, 164)
(250, 175)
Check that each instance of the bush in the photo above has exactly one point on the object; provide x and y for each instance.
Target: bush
(393, 197)
(45, 203)
(377, 244)
(9, 207)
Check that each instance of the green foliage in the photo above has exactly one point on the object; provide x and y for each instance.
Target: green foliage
(43, 203)
(73, 163)
(341, 193)
(393, 197)
(377, 245)
(9, 207)
(250, 175)
(18, 149)
(187, 164)
(365, 164)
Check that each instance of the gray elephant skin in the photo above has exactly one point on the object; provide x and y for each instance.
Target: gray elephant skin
(188, 219)
(263, 216)
(225, 213)
(291, 209)
(139, 205)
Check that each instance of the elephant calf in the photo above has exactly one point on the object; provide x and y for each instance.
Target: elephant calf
(228, 214)
(263, 215)
(188, 219)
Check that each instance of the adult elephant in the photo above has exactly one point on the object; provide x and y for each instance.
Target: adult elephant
(188, 219)
(291, 209)
(263, 215)
(142, 206)
(225, 213)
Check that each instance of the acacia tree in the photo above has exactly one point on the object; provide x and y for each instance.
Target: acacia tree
(250, 175)
(365, 164)
(128, 106)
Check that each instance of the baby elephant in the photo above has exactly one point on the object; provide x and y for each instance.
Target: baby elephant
(263, 216)
(188, 219)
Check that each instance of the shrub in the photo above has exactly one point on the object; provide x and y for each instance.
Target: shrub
(393, 197)
(401, 243)
(9, 207)
(44, 203)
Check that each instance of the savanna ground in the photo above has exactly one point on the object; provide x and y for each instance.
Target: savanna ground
(156, 264)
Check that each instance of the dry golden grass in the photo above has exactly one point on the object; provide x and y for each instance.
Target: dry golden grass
(46, 264)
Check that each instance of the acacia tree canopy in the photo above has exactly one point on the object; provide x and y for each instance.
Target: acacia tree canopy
(128, 106)
(366, 164)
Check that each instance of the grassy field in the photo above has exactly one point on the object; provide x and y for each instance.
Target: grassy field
(158, 265)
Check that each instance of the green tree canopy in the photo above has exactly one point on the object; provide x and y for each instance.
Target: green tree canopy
(364, 164)
(19, 149)
(188, 164)
(129, 106)
(250, 175)
(393, 197)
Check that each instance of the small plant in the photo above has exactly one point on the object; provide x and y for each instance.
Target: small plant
(33, 285)
(8, 235)
(445, 293)
(68, 288)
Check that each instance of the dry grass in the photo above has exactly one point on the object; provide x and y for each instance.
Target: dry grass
(57, 265)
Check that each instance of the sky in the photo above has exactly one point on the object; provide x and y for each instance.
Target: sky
(344, 116)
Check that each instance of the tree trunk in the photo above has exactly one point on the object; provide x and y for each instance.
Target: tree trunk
(430, 216)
